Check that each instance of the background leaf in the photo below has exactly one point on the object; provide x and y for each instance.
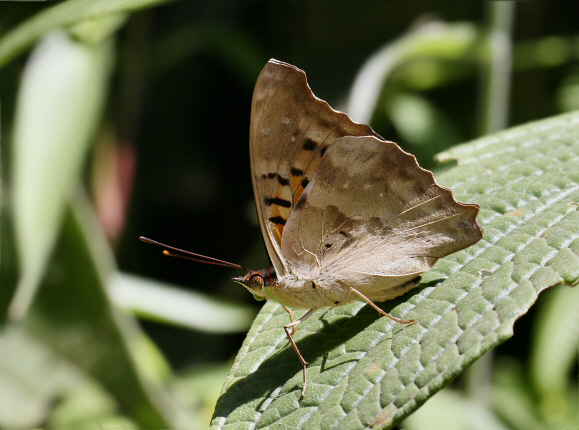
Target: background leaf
(62, 15)
(163, 302)
(61, 97)
(449, 410)
(554, 355)
(433, 40)
(23, 363)
(369, 371)
(91, 334)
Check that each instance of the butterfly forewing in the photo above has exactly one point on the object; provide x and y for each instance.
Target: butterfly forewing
(371, 218)
(290, 131)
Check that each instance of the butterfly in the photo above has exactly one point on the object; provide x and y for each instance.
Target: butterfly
(345, 214)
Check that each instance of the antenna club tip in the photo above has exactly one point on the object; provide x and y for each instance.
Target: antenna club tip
(181, 253)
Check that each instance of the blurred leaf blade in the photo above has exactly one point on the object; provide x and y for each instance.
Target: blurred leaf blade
(25, 361)
(60, 101)
(449, 410)
(62, 15)
(423, 127)
(39, 386)
(91, 334)
(435, 40)
(369, 371)
(198, 388)
(512, 396)
(163, 302)
(554, 354)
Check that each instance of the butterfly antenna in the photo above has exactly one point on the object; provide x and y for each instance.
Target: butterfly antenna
(172, 251)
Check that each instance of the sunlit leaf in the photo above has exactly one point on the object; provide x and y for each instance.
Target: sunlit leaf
(366, 370)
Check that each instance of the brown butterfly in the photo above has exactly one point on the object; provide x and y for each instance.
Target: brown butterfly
(345, 214)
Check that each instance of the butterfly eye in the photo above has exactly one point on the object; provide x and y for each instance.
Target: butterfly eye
(255, 281)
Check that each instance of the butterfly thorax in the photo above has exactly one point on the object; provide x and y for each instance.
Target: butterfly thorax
(291, 290)
(296, 292)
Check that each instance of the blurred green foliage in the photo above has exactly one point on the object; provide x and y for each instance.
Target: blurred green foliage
(129, 118)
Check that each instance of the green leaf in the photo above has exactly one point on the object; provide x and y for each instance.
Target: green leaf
(554, 355)
(87, 405)
(61, 15)
(438, 41)
(421, 125)
(450, 410)
(59, 104)
(197, 389)
(163, 302)
(73, 316)
(512, 396)
(24, 362)
(366, 370)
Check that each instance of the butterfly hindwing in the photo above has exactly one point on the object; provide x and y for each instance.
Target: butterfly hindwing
(373, 219)
(290, 131)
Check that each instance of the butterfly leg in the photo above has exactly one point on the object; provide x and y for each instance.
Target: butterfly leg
(291, 318)
(380, 311)
(294, 346)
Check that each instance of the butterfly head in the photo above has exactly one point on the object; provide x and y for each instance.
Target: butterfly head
(256, 280)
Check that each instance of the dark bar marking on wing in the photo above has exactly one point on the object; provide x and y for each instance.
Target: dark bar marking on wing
(282, 181)
(277, 220)
(277, 201)
(296, 172)
(309, 145)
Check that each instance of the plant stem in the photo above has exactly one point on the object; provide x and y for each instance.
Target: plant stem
(496, 78)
